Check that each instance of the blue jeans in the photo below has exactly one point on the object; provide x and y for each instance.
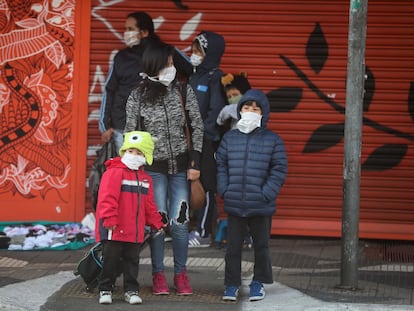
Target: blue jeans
(118, 139)
(171, 194)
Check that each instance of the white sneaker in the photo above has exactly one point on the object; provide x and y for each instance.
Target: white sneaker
(132, 298)
(105, 297)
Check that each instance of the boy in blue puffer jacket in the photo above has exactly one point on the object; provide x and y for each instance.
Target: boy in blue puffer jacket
(251, 170)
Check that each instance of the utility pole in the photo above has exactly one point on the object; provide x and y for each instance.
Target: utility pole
(352, 142)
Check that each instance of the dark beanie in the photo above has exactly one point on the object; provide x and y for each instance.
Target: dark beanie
(239, 82)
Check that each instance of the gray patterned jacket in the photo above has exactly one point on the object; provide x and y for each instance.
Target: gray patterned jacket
(166, 122)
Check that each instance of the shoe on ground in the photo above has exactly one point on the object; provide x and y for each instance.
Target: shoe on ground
(230, 293)
(182, 284)
(195, 240)
(159, 284)
(105, 297)
(132, 298)
(257, 291)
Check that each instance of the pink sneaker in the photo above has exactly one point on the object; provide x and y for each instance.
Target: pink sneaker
(159, 284)
(182, 283)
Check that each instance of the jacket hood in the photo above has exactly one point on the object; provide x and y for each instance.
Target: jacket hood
(114, 162)
(214, 50)
(261, 99)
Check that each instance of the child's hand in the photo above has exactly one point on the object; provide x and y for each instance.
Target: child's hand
(154, 234)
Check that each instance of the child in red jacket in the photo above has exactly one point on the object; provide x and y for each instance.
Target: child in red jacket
(125, 205)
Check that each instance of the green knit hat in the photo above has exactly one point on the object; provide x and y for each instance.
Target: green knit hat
(141, 141)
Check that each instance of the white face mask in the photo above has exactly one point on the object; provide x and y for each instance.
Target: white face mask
(248, 122)
(133, 161)
(167, 75)
(196, 59)
(131, 38)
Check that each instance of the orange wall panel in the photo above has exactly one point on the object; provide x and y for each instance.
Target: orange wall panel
(42, 118)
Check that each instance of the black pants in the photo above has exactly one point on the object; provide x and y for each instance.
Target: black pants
(236, 231)
(207, 216)
(113, 251)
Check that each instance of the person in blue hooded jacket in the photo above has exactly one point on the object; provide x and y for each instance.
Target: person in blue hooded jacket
(251, 170)
(207, 50)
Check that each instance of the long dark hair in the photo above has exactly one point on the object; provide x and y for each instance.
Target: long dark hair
(154, 59)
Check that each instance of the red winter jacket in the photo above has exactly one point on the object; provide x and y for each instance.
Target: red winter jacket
(125, 200)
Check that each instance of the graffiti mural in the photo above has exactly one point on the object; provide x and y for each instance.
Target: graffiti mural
(36, 70)
(385, 156)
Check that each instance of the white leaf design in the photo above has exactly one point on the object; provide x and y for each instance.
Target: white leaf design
(56, 54)
(42, 135)
(190, 27)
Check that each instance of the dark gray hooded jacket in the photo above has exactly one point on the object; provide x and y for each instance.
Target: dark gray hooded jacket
(206, 83)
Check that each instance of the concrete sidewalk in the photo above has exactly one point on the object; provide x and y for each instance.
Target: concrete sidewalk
(306, 273)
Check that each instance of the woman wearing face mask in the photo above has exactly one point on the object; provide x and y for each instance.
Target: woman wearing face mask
(123, 75)
(155, 106)
(251, 170)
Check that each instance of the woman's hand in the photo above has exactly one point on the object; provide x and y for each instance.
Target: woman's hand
(193, 174)
(106, 136)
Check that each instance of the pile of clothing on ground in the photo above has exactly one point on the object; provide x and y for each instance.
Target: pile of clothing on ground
(36, 236)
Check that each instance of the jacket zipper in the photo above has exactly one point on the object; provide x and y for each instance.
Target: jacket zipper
(138, 208)
(174, 169)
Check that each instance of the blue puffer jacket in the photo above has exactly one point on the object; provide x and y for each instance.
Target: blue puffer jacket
(251, 168)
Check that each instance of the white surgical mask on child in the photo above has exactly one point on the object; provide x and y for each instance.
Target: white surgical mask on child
(196, 59)
(248, 122)
(131, 38)
(133, 161)
(167, 75)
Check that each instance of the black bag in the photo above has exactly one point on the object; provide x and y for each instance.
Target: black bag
(90, 266)
(107, 152)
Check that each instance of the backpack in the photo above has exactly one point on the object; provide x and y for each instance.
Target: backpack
(90, 266)
(107, 152)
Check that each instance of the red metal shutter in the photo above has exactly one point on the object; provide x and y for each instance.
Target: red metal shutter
(296, 51)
